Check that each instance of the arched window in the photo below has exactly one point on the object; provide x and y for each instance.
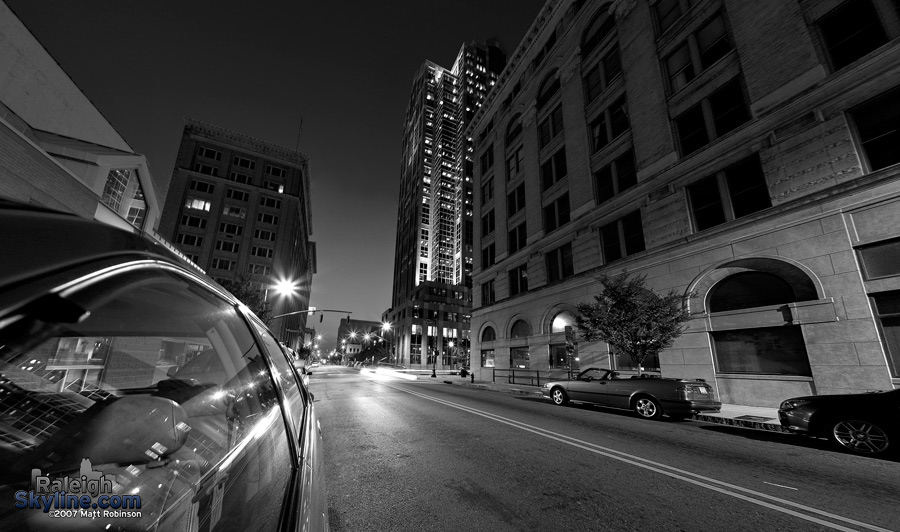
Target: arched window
(514, 129)
(600, 27)
(749, 290)
(521, 329)
(561, 320)
(548, 89)
(488, 334)
(757, 342)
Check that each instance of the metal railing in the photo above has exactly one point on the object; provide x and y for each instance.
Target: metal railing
(530, 377)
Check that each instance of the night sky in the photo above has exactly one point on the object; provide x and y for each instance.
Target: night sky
(344, 68)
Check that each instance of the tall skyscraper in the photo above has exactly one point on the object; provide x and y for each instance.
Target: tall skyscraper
(431, 302)
(239, 206)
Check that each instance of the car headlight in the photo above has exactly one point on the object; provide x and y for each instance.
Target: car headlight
(791, 404)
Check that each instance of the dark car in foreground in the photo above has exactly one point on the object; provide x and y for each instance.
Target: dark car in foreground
(863, 423)
(650, 397)
(137, 394)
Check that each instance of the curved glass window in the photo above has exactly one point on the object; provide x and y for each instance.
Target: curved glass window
(749, 290)
(548, 89)
(596, 33)
(521, 329)
(514, 129)
(488, 334)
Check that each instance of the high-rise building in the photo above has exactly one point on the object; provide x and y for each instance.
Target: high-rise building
(239, 207)
(431, 301)
(742, 154)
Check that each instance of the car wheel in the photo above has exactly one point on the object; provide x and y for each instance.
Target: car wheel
(647, 407)
(860, 436)
(559, 396)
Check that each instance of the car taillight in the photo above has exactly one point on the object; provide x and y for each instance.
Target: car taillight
(694, 391)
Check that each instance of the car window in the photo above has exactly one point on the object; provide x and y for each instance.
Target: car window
(593, 374)
(159, 389)
(283, 369)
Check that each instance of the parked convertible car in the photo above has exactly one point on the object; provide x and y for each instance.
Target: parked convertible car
(650, 397)
(864, 423)
(125, 366)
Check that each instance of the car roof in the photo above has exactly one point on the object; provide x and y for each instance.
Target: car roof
(36, 241)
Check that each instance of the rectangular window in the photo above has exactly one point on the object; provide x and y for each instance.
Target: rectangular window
(488, 255)
(189, 240)
(487, 190)
(487, 159)
(622, 237)
(270, 202)
(881, 259)
(223, 264)
(517, 238)
(762, 351)
(602, 74)
(518, 280)
(514, 164)
(259, 269)
(609, 124)
(209, 153)
(721, 112)
(487, 293)
(519, 358)
(851, 31)
(266, 218)
(273, 186)
(887, 315)
(487, 358)
(202, 186)
(206, 169)
(231, 229)
(550, 127)
(700, 50)
(557, 213)
(225, 245)
(243, 162)
(487, 223)
(276, 171)
(669, 11)
(553, 169)
(260, 251)
(261, 234)
(241, 178)
(237, 195)
(878, 124)
(197, 204)
(733, 193)
(515, 200)
(559, 263)
(237, 212)
(193, 221)
(615, 178)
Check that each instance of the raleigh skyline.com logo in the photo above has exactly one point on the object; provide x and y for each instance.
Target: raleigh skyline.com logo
(88, 495)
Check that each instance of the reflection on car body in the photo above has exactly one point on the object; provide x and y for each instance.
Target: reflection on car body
(862, 423)
(161, 380)
(649, 397)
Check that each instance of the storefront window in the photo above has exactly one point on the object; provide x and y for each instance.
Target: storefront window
(763, 351)
(487, 358)
(519, 358)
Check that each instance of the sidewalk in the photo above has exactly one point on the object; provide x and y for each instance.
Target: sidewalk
(751, 417)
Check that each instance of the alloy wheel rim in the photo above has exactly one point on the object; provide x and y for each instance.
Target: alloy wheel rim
(646, 407)
(557, 396)
(861, 436)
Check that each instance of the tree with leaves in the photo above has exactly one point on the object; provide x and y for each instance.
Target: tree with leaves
(246, 291)
(632, 318)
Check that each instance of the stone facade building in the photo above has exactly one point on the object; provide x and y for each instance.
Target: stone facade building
(742, 152)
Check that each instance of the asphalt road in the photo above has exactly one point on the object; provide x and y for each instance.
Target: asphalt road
(423, 455)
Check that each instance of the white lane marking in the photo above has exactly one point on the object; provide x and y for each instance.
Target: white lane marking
(673, 472)
(780, 486)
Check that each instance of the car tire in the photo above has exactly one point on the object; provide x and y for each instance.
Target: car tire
(647, 407)
(862, 436)
(559, 396)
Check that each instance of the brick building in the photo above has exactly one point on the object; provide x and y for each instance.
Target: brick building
(744, 152)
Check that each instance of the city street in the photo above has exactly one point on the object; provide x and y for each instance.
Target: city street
(421, 455)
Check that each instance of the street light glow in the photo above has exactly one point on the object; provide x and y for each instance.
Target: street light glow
(386, 326)
(286, 287)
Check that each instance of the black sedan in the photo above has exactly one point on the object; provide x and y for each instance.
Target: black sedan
(648, 396)
(137, 394)
(863, 423)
